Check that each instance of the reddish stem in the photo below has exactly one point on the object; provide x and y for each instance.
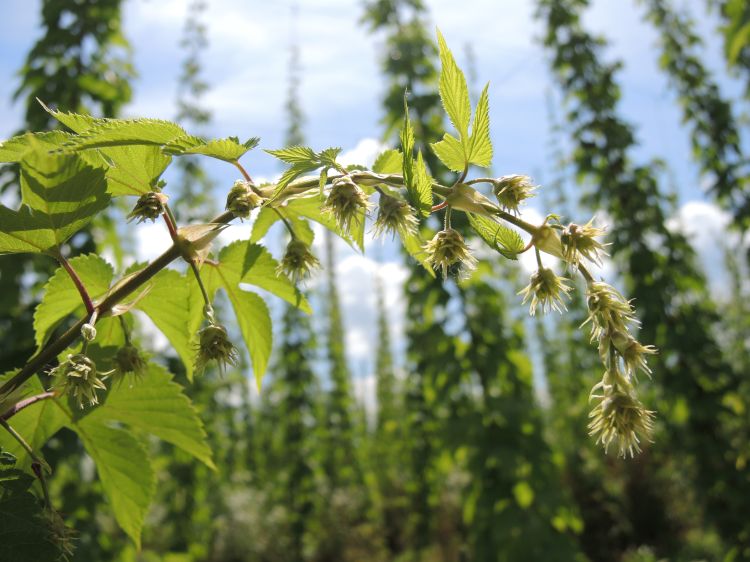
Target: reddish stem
(25, 404)
(77, 282)
(439, 206)
(243, 172)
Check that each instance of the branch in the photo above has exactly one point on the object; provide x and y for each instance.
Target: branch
(119, 292)
(26, 403)
(76, 281)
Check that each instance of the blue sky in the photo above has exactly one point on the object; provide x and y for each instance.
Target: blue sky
(246, 65)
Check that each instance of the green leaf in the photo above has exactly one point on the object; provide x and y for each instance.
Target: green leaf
(14, 149)
(453, 90)
(269, 216)
(121, 132)
(414, 245)
(134, 170)
(61, 298)
(266, 218)
(328, 156)
(310, 207)
(422, 187)
(497, 236)
(24, 532)
(296, 155)
(388, 162)
(157, 405)
(76, 122)
(450, 152)
(168, 304)
(124, 470)
(241, 262)
(229, 149)
(480, 144)
(289, 176)
(407, 151)
(65, 194)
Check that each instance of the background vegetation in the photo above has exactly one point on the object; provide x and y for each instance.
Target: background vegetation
(468, 455)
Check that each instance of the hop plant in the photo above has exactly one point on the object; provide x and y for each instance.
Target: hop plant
(129, 361)
(608, 310)
(345, 202)
(448, 248)
(298, 261)
(214, 345)
(77, 377)
(619, 419)
(547, 289)
(242, 199)
(633, 353)
(148, 207)
(581, 242)
(512, 190)
(395, 216)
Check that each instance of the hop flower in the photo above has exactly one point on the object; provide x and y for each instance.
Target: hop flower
(512, 190)
(619, 418)
(344, 202)
(78, 377)
(242, 199)
(59, 533)
(214, 345)
(395, 216)
(298, 261)
(633, 352)
(148, 207)
(545, 288)
(608, 310)
(580, 241)
(129, 361)
(447, 248)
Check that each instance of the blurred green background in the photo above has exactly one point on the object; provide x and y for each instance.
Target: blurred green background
(411, 419)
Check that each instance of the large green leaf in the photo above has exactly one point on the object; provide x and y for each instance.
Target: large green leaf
(61, 298)
(497, 236)
(64, 192)
(229, 149)
(480, 144)
(24, 531)
(131, 170)
(121, 132)
(168, 304)
(124, 470)
(156, 404)
(14, 149)
(453, 90)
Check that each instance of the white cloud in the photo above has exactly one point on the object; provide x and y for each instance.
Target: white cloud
(364, 154)
(151, 240)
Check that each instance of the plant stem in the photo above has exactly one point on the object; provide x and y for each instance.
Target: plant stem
(120, 291)
(25, 403)
(40, 464)
(88, 303)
